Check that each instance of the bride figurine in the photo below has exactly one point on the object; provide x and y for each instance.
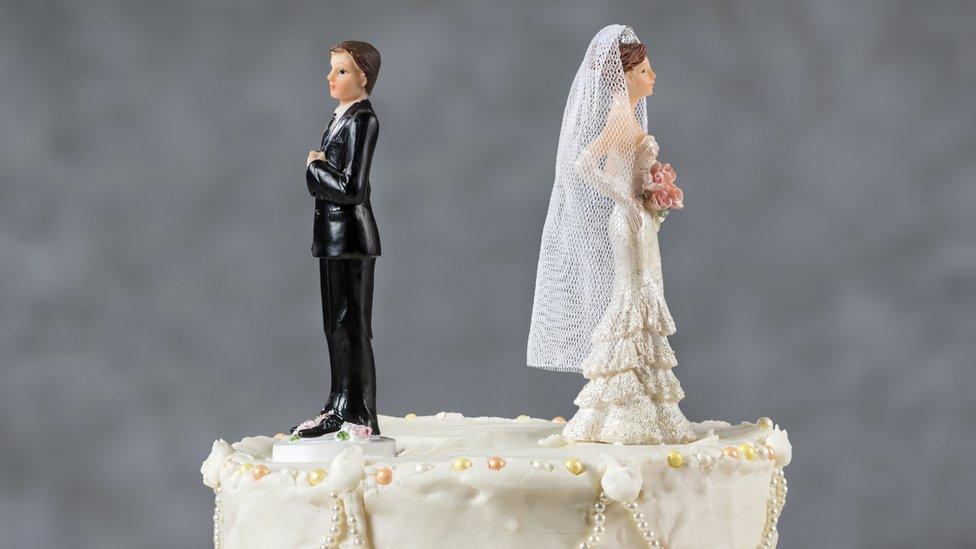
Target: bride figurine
(599, 304)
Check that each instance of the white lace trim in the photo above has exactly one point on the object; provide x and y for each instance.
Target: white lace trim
(635, 310)
(639, 421)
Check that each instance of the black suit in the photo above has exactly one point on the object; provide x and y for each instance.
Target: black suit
(346, 241)
(344, 223)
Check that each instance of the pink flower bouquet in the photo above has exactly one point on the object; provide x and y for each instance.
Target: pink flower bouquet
(661, 192)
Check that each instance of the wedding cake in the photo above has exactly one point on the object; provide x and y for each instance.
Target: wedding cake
(489, 483)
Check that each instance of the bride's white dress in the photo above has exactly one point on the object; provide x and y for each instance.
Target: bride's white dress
(631, 396)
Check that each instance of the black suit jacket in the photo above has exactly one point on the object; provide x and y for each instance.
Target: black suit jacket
(344, 223)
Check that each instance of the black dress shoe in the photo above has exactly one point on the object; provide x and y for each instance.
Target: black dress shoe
(328, 425)
(362, 417)
(311, 422)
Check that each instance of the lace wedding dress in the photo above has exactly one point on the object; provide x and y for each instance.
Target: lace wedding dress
(599, 305)
(632, 395)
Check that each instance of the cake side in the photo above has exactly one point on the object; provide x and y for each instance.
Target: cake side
(488, 482)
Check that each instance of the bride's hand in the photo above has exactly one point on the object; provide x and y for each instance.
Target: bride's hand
(634, 212)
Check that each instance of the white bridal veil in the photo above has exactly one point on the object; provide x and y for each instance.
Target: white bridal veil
(575, 272)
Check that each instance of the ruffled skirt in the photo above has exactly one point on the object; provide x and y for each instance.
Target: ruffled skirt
(632, 395)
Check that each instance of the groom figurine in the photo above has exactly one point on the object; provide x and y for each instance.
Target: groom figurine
(346, 240)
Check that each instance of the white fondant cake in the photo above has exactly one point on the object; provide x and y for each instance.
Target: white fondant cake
(493, 482)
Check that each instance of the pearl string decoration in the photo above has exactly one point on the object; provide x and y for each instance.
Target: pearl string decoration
(774, 506)
(218, 517)
(592, 536)
(598, 512)
(335, 526)
(335, 522)
(646, 533)
(357, 539)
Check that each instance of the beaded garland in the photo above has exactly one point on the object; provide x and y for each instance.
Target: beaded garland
(774, 506)
(218, 518)
(335, 526)
(598, 520)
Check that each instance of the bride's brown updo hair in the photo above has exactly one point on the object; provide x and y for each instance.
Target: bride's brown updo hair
(632, 54)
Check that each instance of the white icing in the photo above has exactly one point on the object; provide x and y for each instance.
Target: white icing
(211, 467)
(346, 470)
(621, 483)
(781, 444)
(534, 501)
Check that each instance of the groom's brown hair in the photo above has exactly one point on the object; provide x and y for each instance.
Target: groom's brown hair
(366, 56)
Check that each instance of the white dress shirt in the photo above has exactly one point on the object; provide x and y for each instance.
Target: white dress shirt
(341, 109)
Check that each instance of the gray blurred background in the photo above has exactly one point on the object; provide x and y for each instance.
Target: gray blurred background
(157, 290)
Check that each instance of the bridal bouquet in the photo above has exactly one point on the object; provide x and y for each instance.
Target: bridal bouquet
(662, 195)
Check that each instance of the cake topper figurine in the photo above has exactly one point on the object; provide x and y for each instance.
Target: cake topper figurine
(346, 240)
(599, 304)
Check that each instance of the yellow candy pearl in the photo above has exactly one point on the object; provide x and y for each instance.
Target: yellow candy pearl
(245, 467)
(574, 465)
(764, 423)
(259, 471)
(460, 463)
(676, 459)
(411, 415)
(522, 417)
(748, 451)
(496, 463)
(559, 419)
(384, 475)
(316, 476)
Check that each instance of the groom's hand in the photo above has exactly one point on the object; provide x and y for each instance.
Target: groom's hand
(313, 156)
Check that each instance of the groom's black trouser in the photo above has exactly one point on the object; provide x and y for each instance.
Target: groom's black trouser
(347, 307)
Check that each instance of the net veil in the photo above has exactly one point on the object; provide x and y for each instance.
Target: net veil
(594, 173)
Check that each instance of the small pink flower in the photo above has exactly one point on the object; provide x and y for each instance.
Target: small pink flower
(357, 431)
(677, 197)
(314, 422)
(361, 431)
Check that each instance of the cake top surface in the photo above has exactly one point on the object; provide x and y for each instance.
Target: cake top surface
(447, 435)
